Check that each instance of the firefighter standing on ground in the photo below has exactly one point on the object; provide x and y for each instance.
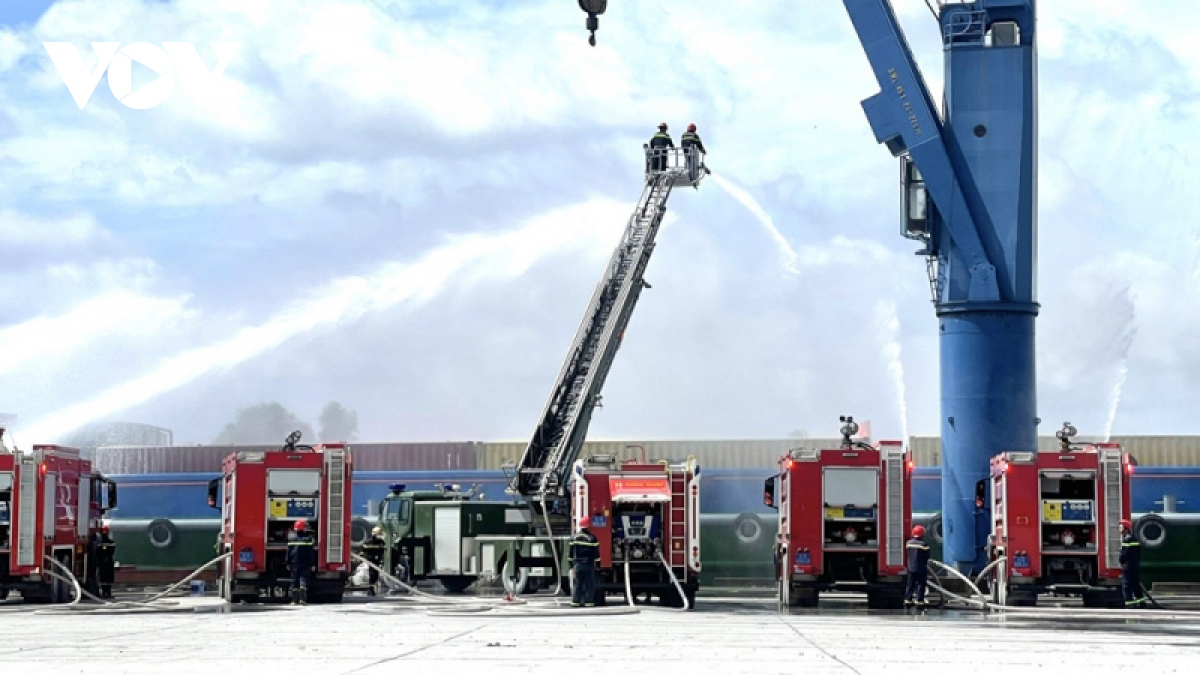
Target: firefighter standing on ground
(658, 145)
(1131, 567)
(585, 549)
(372, 550)
(106, 562)
(301, 558)
(918, 568)
(693, 148)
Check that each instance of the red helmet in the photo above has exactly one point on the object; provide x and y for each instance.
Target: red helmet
(662, 126)
(1126, 524)
(919, 531)
(585, 521)
(300, 526)
(104, 529)
(692, 126)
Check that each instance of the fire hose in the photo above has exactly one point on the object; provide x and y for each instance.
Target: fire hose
(152, 603)
(509, 606)
(979, 601)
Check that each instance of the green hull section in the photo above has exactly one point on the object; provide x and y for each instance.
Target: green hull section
(737, 550)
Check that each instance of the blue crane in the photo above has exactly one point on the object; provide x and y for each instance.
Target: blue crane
(969, 175)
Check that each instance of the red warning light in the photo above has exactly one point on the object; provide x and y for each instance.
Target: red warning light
(42, 468)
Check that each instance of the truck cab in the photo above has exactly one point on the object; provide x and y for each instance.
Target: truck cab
(51, 507)
(448, 534)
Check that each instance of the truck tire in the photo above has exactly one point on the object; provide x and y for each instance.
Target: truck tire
(360, 531)
(804, 597)
(456, 585)
(1020, 598)
(885, 598)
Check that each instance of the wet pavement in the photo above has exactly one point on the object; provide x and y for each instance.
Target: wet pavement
(725, 634)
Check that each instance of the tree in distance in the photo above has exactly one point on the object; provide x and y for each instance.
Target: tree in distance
(338, 423)
(263, 424)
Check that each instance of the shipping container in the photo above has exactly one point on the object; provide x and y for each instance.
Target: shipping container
(208, 458)
(1147, 450)
(731, 454)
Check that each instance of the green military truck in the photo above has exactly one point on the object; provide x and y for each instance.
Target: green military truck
(454, 537)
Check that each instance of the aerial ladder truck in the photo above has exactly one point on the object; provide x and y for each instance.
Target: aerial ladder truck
(645, 516)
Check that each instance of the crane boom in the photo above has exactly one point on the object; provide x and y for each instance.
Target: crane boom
(544, 466)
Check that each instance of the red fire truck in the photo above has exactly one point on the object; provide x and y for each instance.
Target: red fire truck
(261, 496)
(51, 504)
(844, 517)
(1056, 521)
(647, 515)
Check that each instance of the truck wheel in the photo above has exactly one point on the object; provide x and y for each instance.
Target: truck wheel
(456, 584)
(1019, 598)
(805, 597)
(885, 599)
(1103, 598)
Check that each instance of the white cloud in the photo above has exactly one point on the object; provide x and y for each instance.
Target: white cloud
(442, 118)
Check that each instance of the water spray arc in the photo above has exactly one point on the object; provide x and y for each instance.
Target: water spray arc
(787, 255)
(465, 260)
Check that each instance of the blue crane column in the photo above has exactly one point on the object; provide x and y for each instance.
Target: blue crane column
(978, 165)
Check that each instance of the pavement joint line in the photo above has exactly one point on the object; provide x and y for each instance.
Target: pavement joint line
(816, 646)
(414, 651)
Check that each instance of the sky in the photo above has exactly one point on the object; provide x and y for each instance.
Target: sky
(405, 208)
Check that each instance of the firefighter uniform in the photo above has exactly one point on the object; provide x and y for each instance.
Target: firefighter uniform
(693, 148)
(1131, 571)
(106, 562)
(372, 550)
(302, 556)
(585, 550)
(659, 142)
(918, 571)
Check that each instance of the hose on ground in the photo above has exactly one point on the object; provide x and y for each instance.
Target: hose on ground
(511, 606)
(628, 585)
(151, 603)
(988, 605)
(678, 587)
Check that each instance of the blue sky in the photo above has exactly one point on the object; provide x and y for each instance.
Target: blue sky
(407, 210)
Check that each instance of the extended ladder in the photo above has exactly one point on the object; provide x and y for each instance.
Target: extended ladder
(542, 470)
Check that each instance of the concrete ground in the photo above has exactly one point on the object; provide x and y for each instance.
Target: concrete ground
(724, 635)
